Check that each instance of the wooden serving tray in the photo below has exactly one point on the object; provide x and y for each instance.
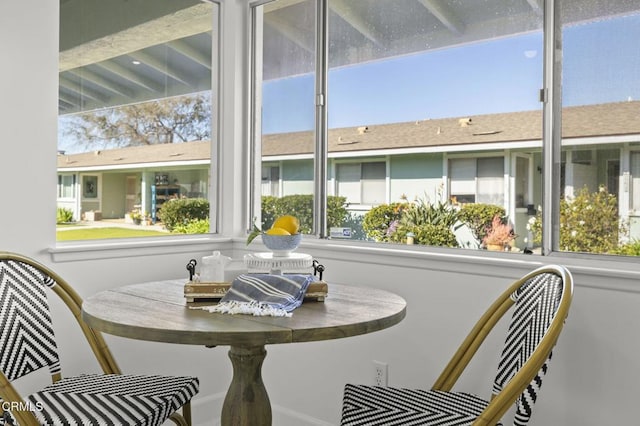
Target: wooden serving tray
(212, 292)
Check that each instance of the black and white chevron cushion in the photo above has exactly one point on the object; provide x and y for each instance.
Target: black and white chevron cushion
(387, 406)
(536, 303)
(112, 399)
(26, 335)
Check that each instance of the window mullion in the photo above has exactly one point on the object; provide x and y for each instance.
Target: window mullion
(552, 125)
(321, 121)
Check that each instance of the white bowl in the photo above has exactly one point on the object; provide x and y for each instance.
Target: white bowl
(281, 245)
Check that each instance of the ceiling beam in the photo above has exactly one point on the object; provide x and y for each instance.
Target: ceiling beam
(74, 87)
(103, 82)
(191, 52)
(132, 76)
(444, 15)
(186, 22)
(536, 5)
(291, 32)
(69, 101)
(345, 10)
(161, 66)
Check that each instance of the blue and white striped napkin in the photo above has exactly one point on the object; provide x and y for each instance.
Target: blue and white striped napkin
(264, 295)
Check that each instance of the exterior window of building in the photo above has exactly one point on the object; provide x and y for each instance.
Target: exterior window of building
(271, 180)
(362, 183)
(477, 180)
(522, 181)
(66, 186)
(635, 183)
(135, 114)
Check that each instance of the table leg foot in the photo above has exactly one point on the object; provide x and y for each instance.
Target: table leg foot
(247, 402)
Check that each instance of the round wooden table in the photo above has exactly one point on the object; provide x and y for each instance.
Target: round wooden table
(157, 311)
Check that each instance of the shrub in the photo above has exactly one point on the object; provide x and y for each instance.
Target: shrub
(629, 249)
(269, 210)
(181, 211)
(427, 234)
(301, 206)
(354, 221)
(197, 226)
(589, 223)
(379, 222)
(64, 215)
(478, 217)
(421, 212)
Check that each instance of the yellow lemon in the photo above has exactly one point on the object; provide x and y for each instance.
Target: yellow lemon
(288, 222)
(277, 231)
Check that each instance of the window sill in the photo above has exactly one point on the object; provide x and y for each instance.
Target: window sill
(131, 247)
(591, 271)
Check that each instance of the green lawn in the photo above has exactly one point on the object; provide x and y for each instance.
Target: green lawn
(104, 233)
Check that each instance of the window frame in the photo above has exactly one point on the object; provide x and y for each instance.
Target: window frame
(216, 238)
(61, 186)
(334, 182)
(549, 164)
(550, 96)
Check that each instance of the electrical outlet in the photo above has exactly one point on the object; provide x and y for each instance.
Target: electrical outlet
(380, 373)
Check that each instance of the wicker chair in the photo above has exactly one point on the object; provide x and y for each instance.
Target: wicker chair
(28, 344)
(542, 299)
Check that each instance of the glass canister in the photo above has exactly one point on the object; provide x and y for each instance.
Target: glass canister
(213, 267)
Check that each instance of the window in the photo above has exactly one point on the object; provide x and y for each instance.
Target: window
(599, 196)
(451, 98)
(135, 113)
(477, 180)
(362, 183)
(284, 74)
(66, 186)
(401, 83)
(271, 180)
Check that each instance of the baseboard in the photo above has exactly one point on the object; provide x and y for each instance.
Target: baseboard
(206, 412)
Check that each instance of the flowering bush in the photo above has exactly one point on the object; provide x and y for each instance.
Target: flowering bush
(381, 221)
(478, 217)
(498, 233)
(589, 222)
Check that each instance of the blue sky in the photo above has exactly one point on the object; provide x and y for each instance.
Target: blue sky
(601, 64)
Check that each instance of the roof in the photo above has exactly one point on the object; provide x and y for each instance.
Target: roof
(138, 155)
(603, 120)
(611, 119)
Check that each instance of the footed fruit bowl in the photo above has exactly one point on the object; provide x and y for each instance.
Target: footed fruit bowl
(281, 245)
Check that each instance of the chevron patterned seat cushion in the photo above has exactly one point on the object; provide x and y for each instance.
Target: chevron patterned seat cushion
(387, 406)
(94, 399)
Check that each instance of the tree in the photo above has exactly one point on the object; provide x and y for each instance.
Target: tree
(168, 120)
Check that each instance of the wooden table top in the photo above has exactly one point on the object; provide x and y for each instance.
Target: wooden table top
(157, 311)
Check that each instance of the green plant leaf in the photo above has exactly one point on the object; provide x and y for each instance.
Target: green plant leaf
(253, 234)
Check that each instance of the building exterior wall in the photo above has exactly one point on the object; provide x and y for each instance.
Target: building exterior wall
(113, 200)
(297, 177)
(416, 176)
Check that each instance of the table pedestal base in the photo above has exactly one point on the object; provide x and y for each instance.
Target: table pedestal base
(247, 402)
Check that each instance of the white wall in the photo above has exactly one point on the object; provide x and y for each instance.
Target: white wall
(593, 377)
